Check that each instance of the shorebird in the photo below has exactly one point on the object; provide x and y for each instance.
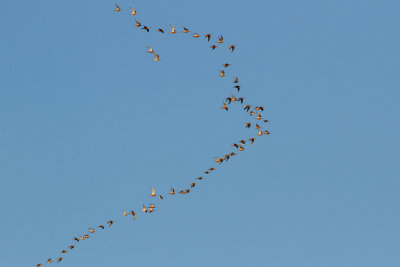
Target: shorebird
(133, 11)
(225, 106)
(222, 73)
(91, 230)
(259, 108)
(76, 239)
(232, 47)
(195, 35)
(213, 47)
(226, 65)
(150, 49)
(192, 185)
(160, 30)
(185, 30)
(252, 140)
(71, 247)
(63, 251)
(208, 36)
(156, 57)
(144, 208)
(172, 192)
(110, 222)
(153, 193)
(248, 124)
(101, 226)
(146, 28)
(173, 31)
(220, 39)
(240, 99)
(247, 107)
(235, 80)
(133, 214)
(117, 8)
(199, 178)
(137, 23)
(59, 259)
(160, 197)
(49, 260)
(237, 87)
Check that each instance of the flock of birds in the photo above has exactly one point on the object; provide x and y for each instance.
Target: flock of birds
(238, 146)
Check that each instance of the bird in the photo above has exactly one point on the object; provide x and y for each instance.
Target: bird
(219, 160)
(240, 99)
(192, 185)
(172, 192)
(199, 178)
(258, 116)
(91, 230)
(133, 11)
(259, 133)
(226, 65)
(247, 107)
(233, 154)
(160, 30)
(257, 126)
(185, 30)
(76, 239)
(266, 132)
(236, 145)
(38, 265)
(137, 23)
(242, 141)
(208, 36)
(220, 39)
(252, 140)
(226, 157)
(146, 28)
(133, 214)
(150, 50)
(248, 124)
(172, 29)
(86, 236)
(59, 259)
(229, 99)
(225, 106)
(232, 47)
(237, 87)
(63, 251)
(213, 47)
(101, 226)
(259, 108)
(251, 113)
(160, 197)
(241, 148)
(49, 260)
(117, 8)
(195, 35)
(144, 208)
(151, 210)
(206, 172)
(110, 222)
(153, 193)
(266, 120)
(211, 169)
(125, 214)
(156, 57)
(235, 80)
(222, 73)
(233, 98)
(71, 247)
(82, 237)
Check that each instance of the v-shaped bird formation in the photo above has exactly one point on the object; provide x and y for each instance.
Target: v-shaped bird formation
(227, 103)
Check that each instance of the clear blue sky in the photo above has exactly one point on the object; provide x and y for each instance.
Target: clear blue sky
(89, 123)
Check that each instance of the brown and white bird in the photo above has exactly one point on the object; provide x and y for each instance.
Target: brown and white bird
(241, 148)
(226, 157)
(160, 30)
(133, 11)
(71, 247)
(150, 50)
(208, 36)
(237, 87)
(91, 230)
(225, 106)
(59, 259)
(232, 47)
(125, 213)
(219, 160)
(258, 116)
(248, 124)
(38, 265)
(172, 192)
(173, 31)
(117, 8)
(213, 47)
(200, 178)
(242, 141)
(160, 197)
(233, 154)
(63, 251)
(257, 126)
(211, 169)
(101, 226)
(156, 57)
(49, 260)
(252, 140)
(259, 133)
(266, 120)
(220, 39)
(192, 185)
(229, 99)
(133, 214)
(235, 80)
(185, 30)
(226, 65)
(240, 99)
(259, 108)
(153, 193)
(138, 24)
(146, 28)
(235, 145)
(144, 209)
(195, 35)
(221, 73)
(110, 222)
(247, 107)
(206, 172)
(266, 132)
(76, 239)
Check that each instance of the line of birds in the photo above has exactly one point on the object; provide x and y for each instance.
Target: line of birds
(150, 208)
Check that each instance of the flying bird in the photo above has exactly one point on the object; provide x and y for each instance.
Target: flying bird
(76, 239)
(117, 8)
(160, 30)
(247, 107)
(185, 30)
(252, 140)
(153, 193)
(160, 197)
(221, 73)
(101, 226)
(137, 23)
(133, 11)
(150, 50)
(49, 260)
(235, 80)
(232, 47)
(226, 65)
(213, 47)
(172, 29)
(225, 106)
(208, 36)
(240, 99)
(199, 178)
(146, 28)
(156, 57)
(237, 87)
(110, 222)
(248, 124)
(91, 230)
(172, 192)
(133, 214)
(192, 185)
(259, 108)
(220, 39)
(195, 35)
(71, 247)
(63, 251)
(59, 259)
(144, 208)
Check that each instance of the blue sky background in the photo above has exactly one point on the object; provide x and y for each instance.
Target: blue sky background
(89, 123)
